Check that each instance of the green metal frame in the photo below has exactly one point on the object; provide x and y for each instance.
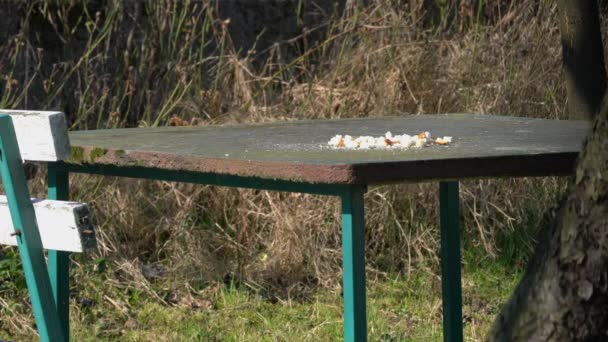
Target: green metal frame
(353, 261)
(353, 234)
(205, 178)
(353, 227)
(450, 261)
(28, 236)
(59, 261)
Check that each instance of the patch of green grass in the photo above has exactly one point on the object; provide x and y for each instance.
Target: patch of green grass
(400, 308)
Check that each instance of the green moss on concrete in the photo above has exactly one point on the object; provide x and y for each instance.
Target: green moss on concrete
(77, 155)
(97, 152)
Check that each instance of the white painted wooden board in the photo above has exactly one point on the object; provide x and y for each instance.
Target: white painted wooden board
(63, 226)
(42, 136)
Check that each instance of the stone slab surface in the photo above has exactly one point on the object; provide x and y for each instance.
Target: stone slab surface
(483, 146)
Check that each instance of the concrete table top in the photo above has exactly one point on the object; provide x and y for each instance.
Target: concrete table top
(482, 146)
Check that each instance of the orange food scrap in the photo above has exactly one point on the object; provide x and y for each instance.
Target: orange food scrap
(340, 143)
(389, 142)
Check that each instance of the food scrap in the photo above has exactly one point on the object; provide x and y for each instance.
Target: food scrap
(388, 141)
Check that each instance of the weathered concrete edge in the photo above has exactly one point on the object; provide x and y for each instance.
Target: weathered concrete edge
(539, 165)
(547, 164)
(296, 172)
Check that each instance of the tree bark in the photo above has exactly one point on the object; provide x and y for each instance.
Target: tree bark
(583, 57)
(563, 295)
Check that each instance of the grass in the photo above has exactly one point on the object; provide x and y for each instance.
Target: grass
(123, 301)
(397, 310)
(178, 260)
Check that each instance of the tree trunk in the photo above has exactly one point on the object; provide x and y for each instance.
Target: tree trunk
(563, 295)
(583, 57)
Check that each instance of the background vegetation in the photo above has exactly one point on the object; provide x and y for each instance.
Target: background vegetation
(179, 261)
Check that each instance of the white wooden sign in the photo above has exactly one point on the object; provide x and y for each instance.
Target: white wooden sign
(63, 226)
(42, 136)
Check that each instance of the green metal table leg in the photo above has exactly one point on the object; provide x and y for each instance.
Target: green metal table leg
(28, 236)
(353, 258)
(59, 261)
(450, 262)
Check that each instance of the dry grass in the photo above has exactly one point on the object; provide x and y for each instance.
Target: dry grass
(135, 64)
